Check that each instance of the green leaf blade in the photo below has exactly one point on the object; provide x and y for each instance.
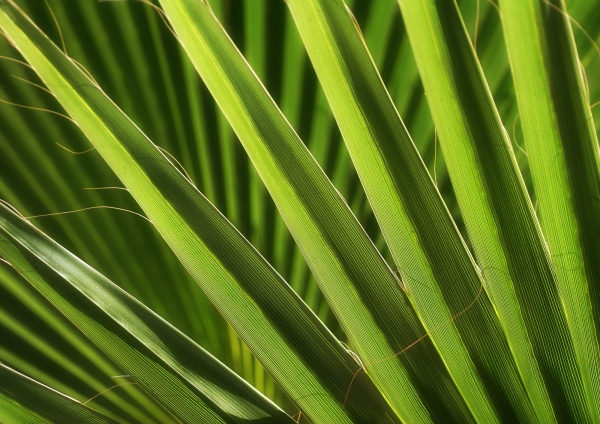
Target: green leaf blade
(343, 260)
(23, 400)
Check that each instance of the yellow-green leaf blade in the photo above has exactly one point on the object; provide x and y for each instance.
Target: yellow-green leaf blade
(564, 157)
(430, 254)
(506, 237)
(357, 283)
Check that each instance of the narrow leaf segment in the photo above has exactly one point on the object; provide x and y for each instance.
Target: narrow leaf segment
(157, 356)
(25, 401)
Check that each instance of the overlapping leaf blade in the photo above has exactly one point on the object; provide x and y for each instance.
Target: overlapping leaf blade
(502, 226)
(432, 258)
(187, 380)
(57, 340)
(293, 345)
(40, 177)
(563, 153)
(357, 283)
(24, 401)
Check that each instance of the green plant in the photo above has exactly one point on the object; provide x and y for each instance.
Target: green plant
(492, 313)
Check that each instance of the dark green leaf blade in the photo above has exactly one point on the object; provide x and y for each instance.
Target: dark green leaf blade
(25, 401)
(157, 356)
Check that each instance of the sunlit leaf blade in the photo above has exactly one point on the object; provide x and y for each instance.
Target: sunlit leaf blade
(156, 356)
(564, 157)
(433, 261)
(506, 237)
(289, 340)
(342, 259)
(25, 401)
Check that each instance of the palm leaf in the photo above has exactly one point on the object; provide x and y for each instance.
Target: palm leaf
(470, 315)
(422, 237)
(342, 259)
